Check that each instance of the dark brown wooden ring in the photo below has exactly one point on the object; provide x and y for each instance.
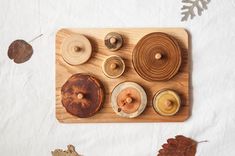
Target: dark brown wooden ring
(113, 41)
(165, 66)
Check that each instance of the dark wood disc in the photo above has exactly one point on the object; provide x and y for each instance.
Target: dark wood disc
(82, 95)
(113, 41)
(157, 57)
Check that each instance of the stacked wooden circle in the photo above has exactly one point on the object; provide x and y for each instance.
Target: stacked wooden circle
(157, 57)
(166, 102)
(113, 66)
(82, 95)
(76, 49)
(113, 41)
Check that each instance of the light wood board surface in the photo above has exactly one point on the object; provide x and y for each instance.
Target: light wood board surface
(93, 66)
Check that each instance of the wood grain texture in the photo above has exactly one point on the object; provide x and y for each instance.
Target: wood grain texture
(179, 83)
(157, 57)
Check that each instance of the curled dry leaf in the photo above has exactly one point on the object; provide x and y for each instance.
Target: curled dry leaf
(20, 51)
(69, 152)
(179, 146)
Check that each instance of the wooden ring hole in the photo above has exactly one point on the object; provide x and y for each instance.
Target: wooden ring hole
(158, 56)
(80, 96)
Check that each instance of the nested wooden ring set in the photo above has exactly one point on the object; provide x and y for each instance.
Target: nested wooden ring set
(122, 75)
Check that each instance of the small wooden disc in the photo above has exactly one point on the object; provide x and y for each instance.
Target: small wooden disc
(113, 41)
(76, 49)
(157, 57)
(166, 102)
(113, 66)
(128, 99)
(82, 95)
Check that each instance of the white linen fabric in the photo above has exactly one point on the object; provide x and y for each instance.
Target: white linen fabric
(28, 126)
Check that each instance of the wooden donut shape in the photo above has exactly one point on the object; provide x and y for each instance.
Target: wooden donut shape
(82, 95)
(157, 57)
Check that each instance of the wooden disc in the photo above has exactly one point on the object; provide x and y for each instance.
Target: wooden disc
(113, 41)
(76, 49)
(82, 95)
(113, 66)
(166, 102)
(157, 57)
(128, 99)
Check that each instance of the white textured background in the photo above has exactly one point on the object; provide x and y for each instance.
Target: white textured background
(28, 126)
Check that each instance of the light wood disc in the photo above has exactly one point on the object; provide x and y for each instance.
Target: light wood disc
(76, 49)
(113, 41)
(157, 57)
(166, 102)
(128, 99)
(82, 95)
(113, 66)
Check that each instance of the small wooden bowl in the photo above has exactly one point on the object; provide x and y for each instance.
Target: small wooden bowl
(166, 102)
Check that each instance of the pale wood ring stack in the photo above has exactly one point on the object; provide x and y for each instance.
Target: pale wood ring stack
(76, 49)
(157, 57)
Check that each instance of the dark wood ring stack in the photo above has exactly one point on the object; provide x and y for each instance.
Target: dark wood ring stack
(157, 57)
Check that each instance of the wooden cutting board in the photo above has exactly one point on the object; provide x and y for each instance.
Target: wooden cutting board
(131, 36)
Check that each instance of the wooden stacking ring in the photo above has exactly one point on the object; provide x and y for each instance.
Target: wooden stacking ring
(113, 41)
(82, 95)
(113, 66)
(166, 102)
(157, 57)
(76, 49)
(128, 99)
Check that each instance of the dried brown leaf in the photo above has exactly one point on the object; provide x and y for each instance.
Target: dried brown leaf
(178, 146)
(20, 51)
(69, 152)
